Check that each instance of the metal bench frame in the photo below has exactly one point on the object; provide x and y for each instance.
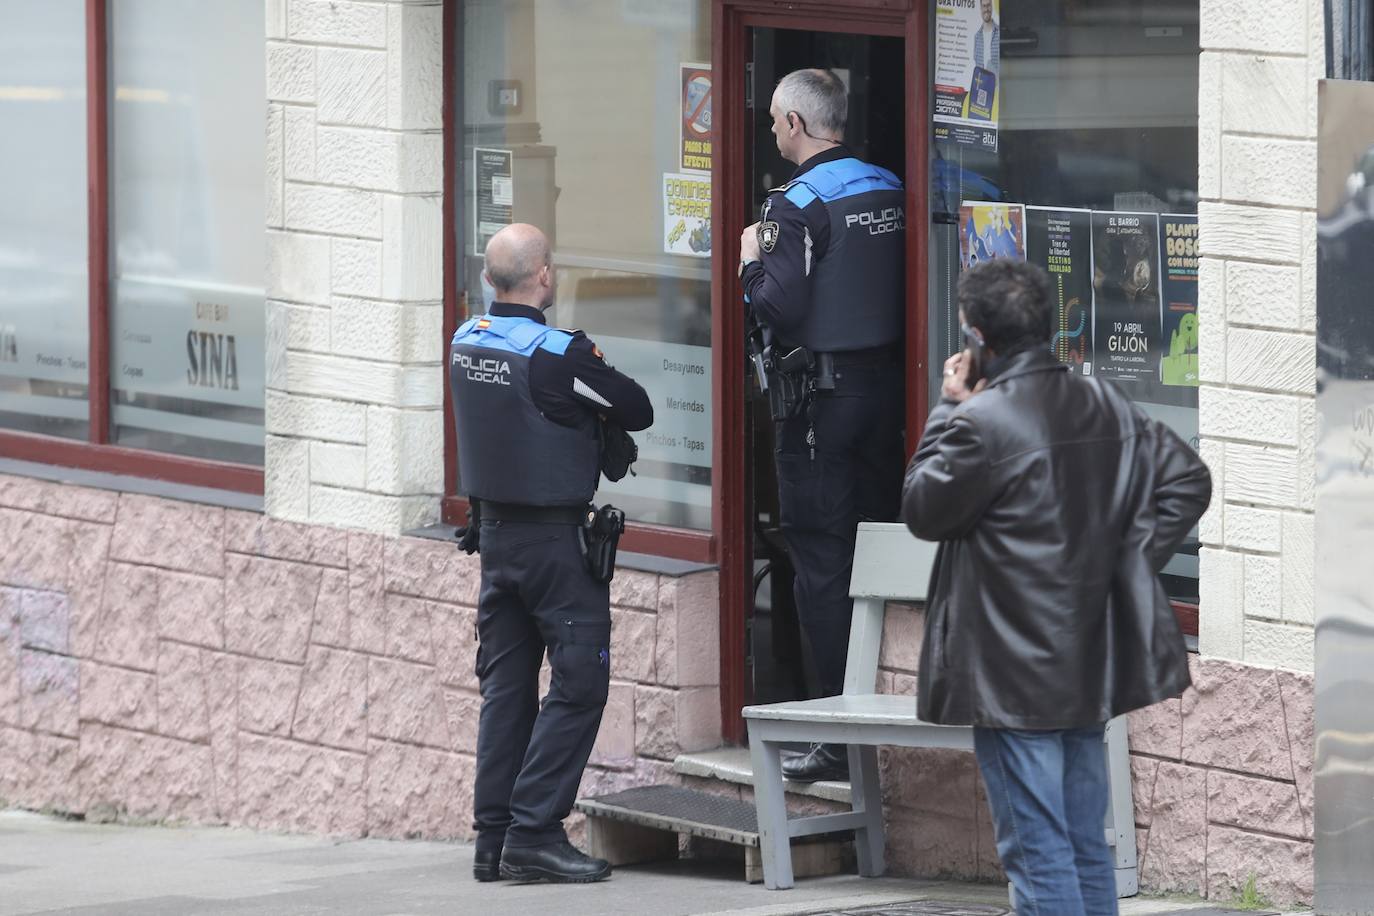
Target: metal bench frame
(889, 565)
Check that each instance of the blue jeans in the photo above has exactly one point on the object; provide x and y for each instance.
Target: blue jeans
(1048, 794)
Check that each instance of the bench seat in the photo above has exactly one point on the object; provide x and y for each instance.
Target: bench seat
(894, 716)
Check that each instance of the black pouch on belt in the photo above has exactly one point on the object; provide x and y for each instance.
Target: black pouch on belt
(600, 534)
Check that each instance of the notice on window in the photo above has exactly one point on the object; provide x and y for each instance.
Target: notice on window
(968, 50)
(988, 231)
(1060, 241)
(687, 215)
(1127, 325)
(677, 378)
(493, 176)
(1178, 241)
(42, 340)
(189, 341)
(696, 133)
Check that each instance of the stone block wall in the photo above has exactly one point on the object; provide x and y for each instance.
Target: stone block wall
(354, 262)
(1222, 784)
(165, 660)
(1257, 174)
(169, 660)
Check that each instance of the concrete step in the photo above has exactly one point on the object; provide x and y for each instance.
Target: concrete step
(732, 764)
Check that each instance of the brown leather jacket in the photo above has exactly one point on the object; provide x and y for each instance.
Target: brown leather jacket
(1056, 502)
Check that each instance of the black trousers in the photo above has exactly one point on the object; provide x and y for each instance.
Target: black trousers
(855, 474)
(536, 597)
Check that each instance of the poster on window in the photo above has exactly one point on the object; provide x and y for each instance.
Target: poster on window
(1178, 241)
(695, 132)
(493, 209)
(968, 52)
(687, 215)
(1060, 241)
(988, 231)
(1127, 328)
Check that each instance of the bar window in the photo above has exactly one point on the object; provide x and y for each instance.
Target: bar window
(188, 167)
(1051, 148)
(43, 222)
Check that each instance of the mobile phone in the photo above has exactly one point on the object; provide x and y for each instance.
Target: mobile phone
(974, 344)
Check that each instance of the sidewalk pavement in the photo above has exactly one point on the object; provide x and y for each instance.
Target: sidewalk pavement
(51, 865)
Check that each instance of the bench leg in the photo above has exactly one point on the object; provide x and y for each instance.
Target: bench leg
(866, 794)
(1121, 809)
(775, 845)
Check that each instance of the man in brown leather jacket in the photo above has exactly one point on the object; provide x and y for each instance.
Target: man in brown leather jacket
(1056, 502)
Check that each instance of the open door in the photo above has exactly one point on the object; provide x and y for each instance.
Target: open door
(871, 66)
(880, 55)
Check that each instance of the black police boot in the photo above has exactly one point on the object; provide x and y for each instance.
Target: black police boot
(486, 865)
(822, 763)
(557, 863)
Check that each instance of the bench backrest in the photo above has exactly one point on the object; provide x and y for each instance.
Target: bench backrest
(889, 565)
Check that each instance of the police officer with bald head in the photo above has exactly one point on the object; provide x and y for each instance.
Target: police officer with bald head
(530, 401)
(823, 274)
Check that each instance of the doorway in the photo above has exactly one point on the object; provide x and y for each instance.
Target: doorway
(873, 68)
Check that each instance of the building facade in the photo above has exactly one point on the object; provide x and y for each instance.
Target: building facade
(239, 604)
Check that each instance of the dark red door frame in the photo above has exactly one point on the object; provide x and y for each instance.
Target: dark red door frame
(730, 25)
(96, 453)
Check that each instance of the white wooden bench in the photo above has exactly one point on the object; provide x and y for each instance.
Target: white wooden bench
(889, 564)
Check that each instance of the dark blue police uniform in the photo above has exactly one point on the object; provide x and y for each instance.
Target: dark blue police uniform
(526, 398)
(830, 278)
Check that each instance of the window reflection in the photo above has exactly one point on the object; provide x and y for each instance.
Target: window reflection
(592, 121)
(1096, 156)
(187, 358)
(43, 277)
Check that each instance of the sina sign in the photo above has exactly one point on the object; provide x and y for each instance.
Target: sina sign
(212, 360)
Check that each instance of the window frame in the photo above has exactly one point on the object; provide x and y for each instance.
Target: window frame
(97, 453)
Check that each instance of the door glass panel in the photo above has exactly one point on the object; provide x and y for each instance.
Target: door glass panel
(593, 122)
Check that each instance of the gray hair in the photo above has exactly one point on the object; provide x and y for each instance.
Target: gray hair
(819, 96)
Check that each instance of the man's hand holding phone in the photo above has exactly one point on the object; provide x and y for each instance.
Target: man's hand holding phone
(958, 371)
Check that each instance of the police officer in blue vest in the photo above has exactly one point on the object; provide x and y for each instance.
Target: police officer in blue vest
(530, 401)
(823, 274)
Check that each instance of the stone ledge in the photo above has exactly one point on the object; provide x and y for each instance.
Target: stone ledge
(103, 480)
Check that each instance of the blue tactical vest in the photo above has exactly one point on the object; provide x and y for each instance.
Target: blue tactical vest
(508, 451)
(857, 289)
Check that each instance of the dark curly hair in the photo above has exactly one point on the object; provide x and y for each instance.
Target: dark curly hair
(1009, 301)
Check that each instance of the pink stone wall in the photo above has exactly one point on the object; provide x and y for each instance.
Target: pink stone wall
(167, 660)
(1222, 781)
